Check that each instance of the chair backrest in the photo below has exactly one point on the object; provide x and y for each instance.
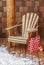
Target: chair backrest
(29, 20)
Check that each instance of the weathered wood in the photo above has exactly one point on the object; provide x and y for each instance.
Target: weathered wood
(10, 14)
(13, 27)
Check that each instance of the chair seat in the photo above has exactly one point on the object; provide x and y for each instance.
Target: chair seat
(17, 39)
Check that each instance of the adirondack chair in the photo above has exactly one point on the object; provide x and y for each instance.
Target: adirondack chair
(29, 24)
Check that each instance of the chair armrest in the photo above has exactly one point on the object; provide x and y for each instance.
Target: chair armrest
(12, 27)
(32, 30)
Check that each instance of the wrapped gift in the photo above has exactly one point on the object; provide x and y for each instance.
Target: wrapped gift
(34, 43)
(31, 45)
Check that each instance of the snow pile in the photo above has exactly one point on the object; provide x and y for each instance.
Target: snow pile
(7, 58)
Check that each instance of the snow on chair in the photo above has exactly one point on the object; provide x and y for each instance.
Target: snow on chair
(29, 25)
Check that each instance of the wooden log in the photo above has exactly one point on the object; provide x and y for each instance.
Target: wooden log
(10, 14)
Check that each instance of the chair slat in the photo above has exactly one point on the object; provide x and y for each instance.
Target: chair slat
(17, 37)
(23, 25)
(34, 17)
(30, 19)
(36, 21)
(26, 24)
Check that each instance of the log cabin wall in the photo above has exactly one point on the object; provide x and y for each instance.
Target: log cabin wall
(3, 17)
(22, 6)
(7, 15)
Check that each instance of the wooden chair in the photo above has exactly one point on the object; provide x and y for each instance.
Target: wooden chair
(29, 25)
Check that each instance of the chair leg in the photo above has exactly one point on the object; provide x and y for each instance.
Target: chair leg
(8, 45)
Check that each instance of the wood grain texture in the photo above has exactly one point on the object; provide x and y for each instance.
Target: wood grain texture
(10, 14)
